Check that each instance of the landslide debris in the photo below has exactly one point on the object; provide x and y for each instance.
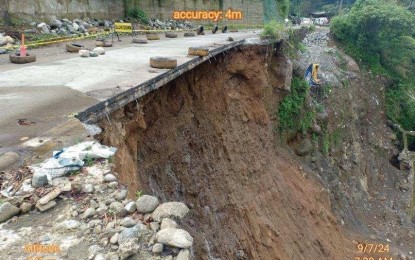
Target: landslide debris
(209, 139)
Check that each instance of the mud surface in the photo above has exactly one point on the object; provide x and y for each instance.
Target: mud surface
(208, 139)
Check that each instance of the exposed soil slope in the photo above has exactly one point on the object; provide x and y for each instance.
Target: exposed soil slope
(211, 133)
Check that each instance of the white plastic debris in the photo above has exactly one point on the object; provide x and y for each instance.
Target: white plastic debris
(92, 129)
(72, 159)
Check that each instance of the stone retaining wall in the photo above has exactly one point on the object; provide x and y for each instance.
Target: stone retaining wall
(45, 10)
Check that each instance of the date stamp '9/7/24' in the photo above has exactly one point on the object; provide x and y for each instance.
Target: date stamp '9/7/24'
(373, 251)
(208, 15)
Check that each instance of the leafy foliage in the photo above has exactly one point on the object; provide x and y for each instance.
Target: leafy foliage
(283, 7)
(138, 14)
(291, 110)
(273, 30)
(380, 33)
(304, 7)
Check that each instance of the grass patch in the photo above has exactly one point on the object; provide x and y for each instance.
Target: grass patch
(89, 161)
(273, 30)
(138, 14)
(292, 114)
(138, 194)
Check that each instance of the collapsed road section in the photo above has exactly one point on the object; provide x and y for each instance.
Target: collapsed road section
(205, 135)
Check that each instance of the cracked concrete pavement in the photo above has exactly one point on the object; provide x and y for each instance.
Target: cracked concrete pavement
(49, 92)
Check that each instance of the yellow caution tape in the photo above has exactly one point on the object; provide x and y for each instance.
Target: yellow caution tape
(58, 40)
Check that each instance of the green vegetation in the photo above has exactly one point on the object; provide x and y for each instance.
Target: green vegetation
(89, 161)
(273, 30)
(139, 193)
(276, 9)
(292, 113)
(380, 34)
(139, 14)
(331, 7)
(283, 8)
(294, 43)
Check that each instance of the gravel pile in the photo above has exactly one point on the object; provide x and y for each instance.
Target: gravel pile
(95, 213)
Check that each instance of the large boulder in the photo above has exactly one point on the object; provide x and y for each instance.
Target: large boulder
(173, 210)
(44, 27)
(56, 24)
(175, 237)
(146, 204)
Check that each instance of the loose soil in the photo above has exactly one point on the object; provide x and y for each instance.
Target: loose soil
(208, 139)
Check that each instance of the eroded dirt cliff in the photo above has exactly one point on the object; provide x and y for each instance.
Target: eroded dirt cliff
(209, 139)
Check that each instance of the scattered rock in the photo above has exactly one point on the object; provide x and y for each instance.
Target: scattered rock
(3, 40)
(44, 27)
(89, 212)
(88, 188)
(97, 229)
(168, 223)
(305, 147)
(84, 53)
(9, 39)
(62, 183)
(174, 210)
(99, 257)
(112, 184)
(155, 226)
(118, 209)
(175, 237)
(100, 211)
(109, 178)
(128, 248)
(93, 204)
(114, 238)
(7, 211)
(56, 24)
(147, 204)
(75, 26)
(121, 195)
(39, 180)
(157, 248)
(9, 158)
(131, 207)
(128, 222)
(26, 207)
(93, 250)
(99, 50)
(45, 207)
(138, 231)
(50, 196)
(184, 254)
(111, 256)
(70, 224)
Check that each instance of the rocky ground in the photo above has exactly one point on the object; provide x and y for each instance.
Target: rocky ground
(368, 193)
(76, 28)
(87, 215)
(220, 156)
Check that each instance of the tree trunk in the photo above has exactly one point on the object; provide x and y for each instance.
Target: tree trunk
(340, 6)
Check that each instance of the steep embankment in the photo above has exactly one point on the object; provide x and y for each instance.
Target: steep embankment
(208, 139)
(353, 154)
